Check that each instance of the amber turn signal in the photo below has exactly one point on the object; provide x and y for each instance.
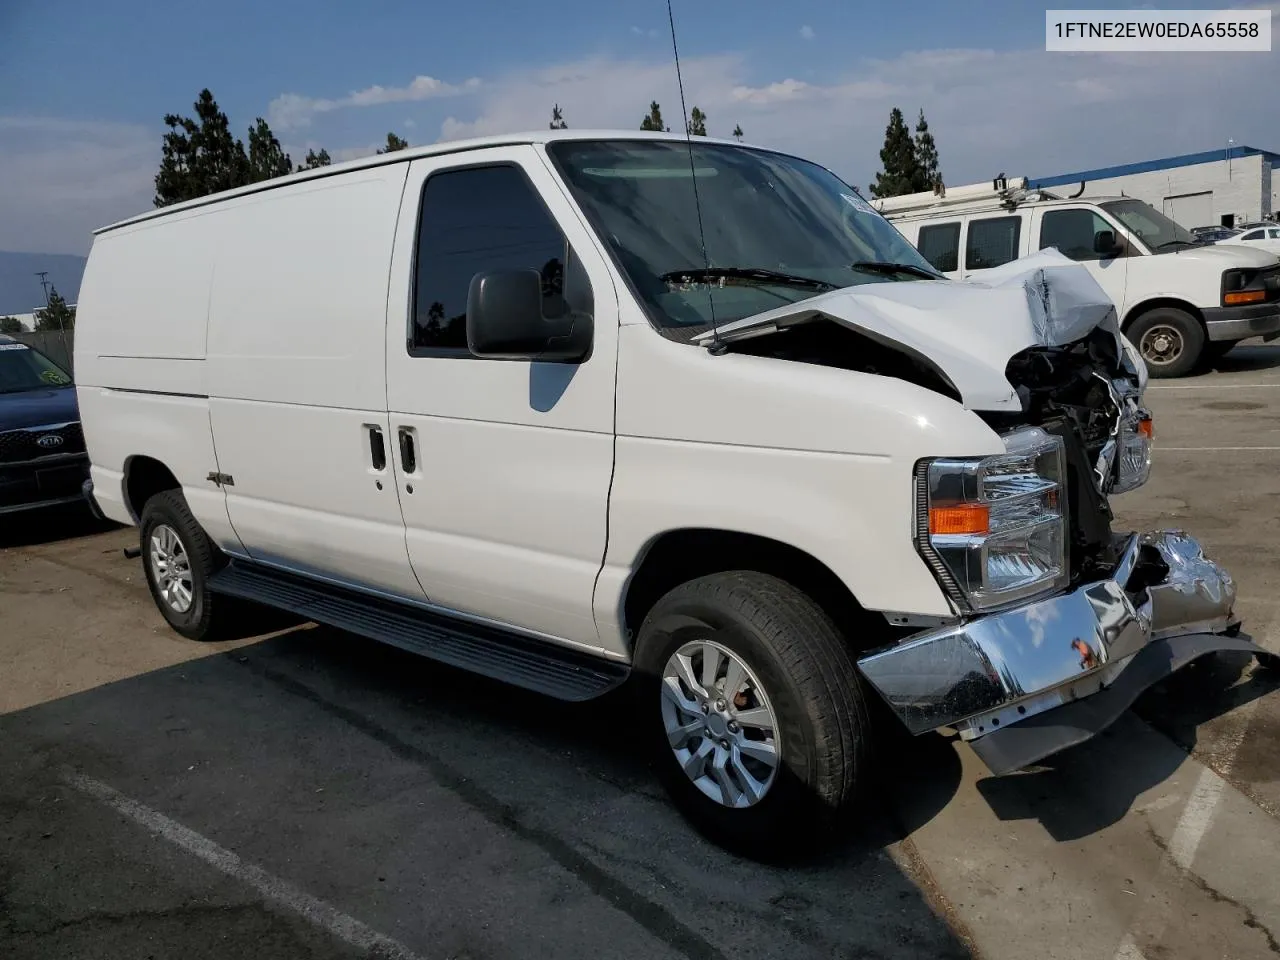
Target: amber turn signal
(960, 518)
(1147, 428)
(1244, 296)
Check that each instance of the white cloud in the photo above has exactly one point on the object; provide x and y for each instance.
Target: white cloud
(65, 178)
(1022, 111)
(290, 111)
(806, 32)
(410, 123)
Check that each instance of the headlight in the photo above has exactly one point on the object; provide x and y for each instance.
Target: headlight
(994, 529)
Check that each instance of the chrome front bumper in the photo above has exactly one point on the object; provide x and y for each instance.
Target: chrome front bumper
(990, 674)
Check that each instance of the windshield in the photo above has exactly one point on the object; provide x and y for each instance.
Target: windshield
(22, 368)
(777, 229)
(1154, 229)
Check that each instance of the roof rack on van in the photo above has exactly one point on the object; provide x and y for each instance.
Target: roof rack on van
(999, 192)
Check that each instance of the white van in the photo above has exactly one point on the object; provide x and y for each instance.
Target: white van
(488, 402)
(1180, 301)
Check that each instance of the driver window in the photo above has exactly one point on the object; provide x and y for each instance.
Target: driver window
(1072, 232)
(471, 221)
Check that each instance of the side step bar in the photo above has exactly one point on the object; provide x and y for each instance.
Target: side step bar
(543, 667)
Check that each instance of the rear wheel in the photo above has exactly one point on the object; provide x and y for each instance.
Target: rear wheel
(755, 711)
(1170, 340)
(179, 558)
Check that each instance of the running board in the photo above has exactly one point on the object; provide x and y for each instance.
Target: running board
(541, 666)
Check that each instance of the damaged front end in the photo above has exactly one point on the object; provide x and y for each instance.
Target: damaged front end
(1101, 616)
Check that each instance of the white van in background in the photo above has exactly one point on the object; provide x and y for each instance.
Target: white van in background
(533, 407)
(1179, 301)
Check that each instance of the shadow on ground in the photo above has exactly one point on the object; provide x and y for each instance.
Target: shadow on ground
(463, 817)
(1088, 788)
(50, 525)
(1248, 357)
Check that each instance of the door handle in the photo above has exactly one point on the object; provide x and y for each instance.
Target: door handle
(377, 448)
(408, 461)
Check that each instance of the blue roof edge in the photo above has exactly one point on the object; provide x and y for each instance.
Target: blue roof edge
(1147, 166)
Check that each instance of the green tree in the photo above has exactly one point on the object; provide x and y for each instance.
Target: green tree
(393, 144)
(10, 325)
(557, 119)
(928, 176)
(315, 160)
(266, 157)
(199, 156)
(697, 123)
(737, 132)
(57, 315)
(653, 119)
(898, 157)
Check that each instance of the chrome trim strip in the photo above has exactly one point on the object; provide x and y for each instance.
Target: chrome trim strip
(427, 606)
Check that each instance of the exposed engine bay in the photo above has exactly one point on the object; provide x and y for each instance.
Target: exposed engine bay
(1087, 392)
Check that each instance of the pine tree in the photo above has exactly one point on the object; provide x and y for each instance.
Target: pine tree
(57, 315)
(315, 160)
(653, 119)
(557, 119)
(928, 177)
(898, 157)
(266, 157)
(698, 123)
(200, 156)
(737, 132)
(393, 144)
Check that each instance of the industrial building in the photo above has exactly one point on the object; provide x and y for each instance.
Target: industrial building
(1230, 186)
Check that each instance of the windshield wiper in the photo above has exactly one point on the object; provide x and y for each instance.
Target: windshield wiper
(758, 274)
(1170, 243)
(884, 266)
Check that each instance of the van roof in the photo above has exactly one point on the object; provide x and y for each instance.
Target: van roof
(413, 153)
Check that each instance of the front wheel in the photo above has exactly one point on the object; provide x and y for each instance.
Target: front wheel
(179, 558)
(1170, 340)
(755, 710)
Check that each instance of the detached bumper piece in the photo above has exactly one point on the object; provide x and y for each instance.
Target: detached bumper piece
(1024, 683)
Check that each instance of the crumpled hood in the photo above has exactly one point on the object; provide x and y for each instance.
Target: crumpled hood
(967, 329)
(38, 408)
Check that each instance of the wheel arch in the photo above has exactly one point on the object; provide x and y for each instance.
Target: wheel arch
(1154, 303)
(144, 477)
(679, 555)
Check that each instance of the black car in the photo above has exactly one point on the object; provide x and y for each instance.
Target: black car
(1212, 234)
(42, 454)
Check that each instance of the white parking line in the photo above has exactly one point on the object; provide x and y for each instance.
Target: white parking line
(1197, 816)
(321, 914)
(1157, 449)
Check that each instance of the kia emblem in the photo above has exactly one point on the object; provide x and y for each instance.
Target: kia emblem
(49, 441)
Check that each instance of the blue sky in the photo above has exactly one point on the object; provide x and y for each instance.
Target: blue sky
(84, 85)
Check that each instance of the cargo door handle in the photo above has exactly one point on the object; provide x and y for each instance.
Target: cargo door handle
(408, 461)
(377, 448)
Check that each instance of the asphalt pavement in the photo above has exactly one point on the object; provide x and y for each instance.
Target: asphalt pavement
(305, 793)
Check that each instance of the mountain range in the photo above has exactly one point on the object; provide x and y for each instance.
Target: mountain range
(20, 290)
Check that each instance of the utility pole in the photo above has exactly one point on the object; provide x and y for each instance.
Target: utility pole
(44, 283)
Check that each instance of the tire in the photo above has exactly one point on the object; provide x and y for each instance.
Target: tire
(1170, 340)
(789, 649)
(166, 520)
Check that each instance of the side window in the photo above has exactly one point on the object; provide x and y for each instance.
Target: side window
(940, 245)
(992, 242)
(1071, 231)
(472, 221)
(1253, 235)
(1273, 233)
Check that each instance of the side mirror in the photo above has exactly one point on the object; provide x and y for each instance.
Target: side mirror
(505, 321)
(1104, 243)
